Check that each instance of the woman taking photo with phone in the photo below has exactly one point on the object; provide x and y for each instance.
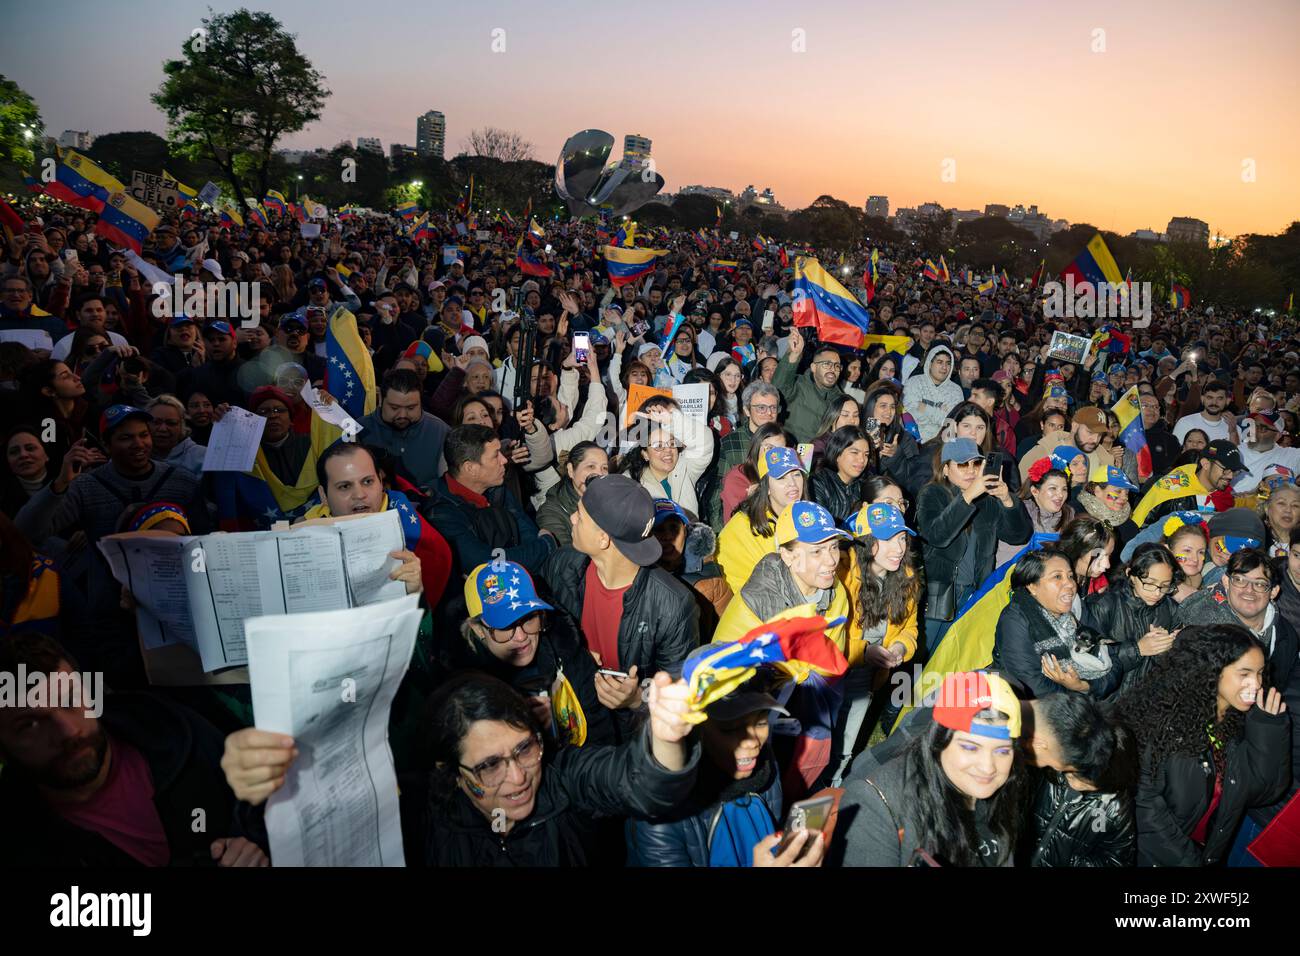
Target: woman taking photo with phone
(961, 515)
(952, 797)
(1214, 743)
(1045, 493)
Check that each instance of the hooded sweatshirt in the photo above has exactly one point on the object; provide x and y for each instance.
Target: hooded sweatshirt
(928, 403)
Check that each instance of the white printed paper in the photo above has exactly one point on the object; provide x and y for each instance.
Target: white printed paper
(694, 400)
(38, 340)
(234, 441)
(328, 680)
(332, 412)
(309, 230)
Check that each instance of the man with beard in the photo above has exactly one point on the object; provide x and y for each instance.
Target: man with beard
(119, 790)
(404, 429)
(351, 483)
(1086, 431)
(808, 396)
(1189, 487)
(1212, 418)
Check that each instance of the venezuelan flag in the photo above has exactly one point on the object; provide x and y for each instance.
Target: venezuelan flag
(230, 216)
(535, 232)
(9, 218)
(1006, 283)
(1289, 304)
(275, 203)
(349, 372)
(33, 184)
(628, 265)
(931, 271)
(724, 265)
(407, 210)
(986, 286)
(528, 264)
(1131, 431)
(785, 258)
(822, 302)
(1179, 483)
(1179, 297)
(347, 213)
(1094, 264)
(126, 222)
(80, 182)
(968, 643)
(257, 216)
(944, 275)
(342, 271)
(892, 343)
(188, 193)
(421, 231)
(297, 212)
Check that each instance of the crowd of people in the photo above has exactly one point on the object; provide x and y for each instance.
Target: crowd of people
(1134, 706)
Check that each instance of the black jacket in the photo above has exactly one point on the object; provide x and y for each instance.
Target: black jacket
(1071, 827)
(685, 837)
(834, 495)
(1023, 636)
(475, 533)
(1165, 448)
(576, 785)
(559, 646)
(1120, 614)
(660, 624)
(183, 752)
(944, 518)
(1173, 796)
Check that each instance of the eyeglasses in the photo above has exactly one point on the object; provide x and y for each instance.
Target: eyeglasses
(1155, 588)
(663, 445)
(491, 773)
(765, 408)
(835, 365)
(267, 412)
(1259, 586)
(507, 634)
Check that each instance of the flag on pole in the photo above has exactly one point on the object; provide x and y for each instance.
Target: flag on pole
(80, 182)
(1132, 433)
(1038, 275)
(1094, 264)
(822, 302)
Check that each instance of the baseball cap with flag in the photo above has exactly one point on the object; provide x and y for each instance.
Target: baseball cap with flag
(963, 695)
(779, 462)
(807, 522)
(115, 415)
(881, 521)
(502, 593)
(1110, 475)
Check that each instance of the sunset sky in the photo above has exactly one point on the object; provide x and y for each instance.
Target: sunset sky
(1157, 126)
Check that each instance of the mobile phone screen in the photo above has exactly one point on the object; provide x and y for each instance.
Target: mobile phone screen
(581, 346)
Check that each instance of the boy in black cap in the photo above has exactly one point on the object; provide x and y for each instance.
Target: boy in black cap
(636, 617)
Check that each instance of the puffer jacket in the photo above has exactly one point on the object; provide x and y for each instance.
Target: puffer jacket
(1173, 796)
(834, 495)
(1071, 827)
(1121, 615)
(928, 403)
(576, 784)
(1024, 635)
(556, 513)
(740, 549)
(770, 590)
(687, 836)
(905, 632)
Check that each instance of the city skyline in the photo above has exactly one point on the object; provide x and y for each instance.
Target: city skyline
(1009, 102)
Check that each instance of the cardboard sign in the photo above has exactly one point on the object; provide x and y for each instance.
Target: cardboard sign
(155, 191)
(482, 235)
(309, 230)
(449, 254)
(637, 396)
(694, 400)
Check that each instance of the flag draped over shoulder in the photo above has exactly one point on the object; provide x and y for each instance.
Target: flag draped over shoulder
(968, 643)
(820, 301)
(1132, 433)
(1179, 483)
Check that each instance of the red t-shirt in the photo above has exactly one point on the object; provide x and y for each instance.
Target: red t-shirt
(602, 612)
(123, 810)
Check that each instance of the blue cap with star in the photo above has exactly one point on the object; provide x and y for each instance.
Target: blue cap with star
(502, 594)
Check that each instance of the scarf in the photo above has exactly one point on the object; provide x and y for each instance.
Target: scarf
(1096, 509)
(1066, 629)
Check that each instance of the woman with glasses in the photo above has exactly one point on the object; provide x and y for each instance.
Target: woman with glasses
(499, 793)
(534, 648)
(675, 451)
(1138, 613)
(86, 345)
(1213, 741)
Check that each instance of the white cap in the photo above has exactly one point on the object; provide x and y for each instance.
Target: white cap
(716, 359)
(213, 266)
(474, 342)
(530, 286)
(647, 347)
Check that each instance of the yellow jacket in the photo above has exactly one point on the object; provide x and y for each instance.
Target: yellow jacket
(738, 620)
(739, 550)
(905, 633)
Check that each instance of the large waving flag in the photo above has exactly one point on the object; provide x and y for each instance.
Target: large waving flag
(528, 263)
(822, 302)
(535, 232)
(407, 210)
(944, 274)
(1131, 431)
(794, 642)
(79, 182)
(275, 203)
(1179, 483)
(349, 373)
(931, 271)
(230, 216)
(628, 265)
(257, 216)
(421, 230)
(968, 643)
(1094, 264)
(126, 222)
(1179, 297)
